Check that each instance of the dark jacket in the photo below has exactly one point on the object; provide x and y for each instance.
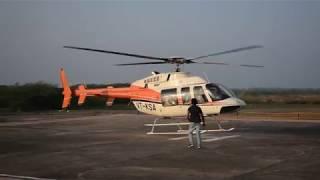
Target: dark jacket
(195, 114)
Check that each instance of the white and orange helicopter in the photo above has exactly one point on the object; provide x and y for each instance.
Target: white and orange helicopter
(165, 94)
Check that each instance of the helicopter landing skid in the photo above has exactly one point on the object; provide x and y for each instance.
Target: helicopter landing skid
(182, 131)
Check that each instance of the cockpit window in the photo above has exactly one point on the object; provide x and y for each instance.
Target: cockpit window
(218, 92)
(199, 94)
(227, 90)
(186, 96)
(169, 97)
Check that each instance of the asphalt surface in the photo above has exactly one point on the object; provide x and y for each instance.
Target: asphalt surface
(115, 146)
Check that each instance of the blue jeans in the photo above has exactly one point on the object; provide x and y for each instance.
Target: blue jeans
(194, 127)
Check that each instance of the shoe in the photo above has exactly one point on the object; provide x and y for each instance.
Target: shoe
(198, 147)
(190, 146)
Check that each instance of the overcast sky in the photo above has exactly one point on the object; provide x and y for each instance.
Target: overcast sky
(33, 33)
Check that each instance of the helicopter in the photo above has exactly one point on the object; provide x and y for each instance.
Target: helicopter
(166, 94)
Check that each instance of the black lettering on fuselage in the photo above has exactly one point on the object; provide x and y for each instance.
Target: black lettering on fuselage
(146, 106)
(152, 80)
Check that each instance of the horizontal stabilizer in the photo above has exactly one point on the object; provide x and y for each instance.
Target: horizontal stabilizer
(82, 94)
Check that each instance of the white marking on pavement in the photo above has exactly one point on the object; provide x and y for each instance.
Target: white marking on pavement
(220, 138)
(206, 138)
(23, 177)
(178, 138)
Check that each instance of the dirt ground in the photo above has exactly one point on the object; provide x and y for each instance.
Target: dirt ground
(114, 145)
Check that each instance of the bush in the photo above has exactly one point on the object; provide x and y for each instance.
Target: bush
(43, 96)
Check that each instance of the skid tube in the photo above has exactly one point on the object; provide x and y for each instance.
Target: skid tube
(180, 130)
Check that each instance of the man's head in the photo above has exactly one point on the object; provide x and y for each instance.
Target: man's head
(194, 101)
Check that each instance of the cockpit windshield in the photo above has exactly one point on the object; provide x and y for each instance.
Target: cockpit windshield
(218, 92)
(227, 90)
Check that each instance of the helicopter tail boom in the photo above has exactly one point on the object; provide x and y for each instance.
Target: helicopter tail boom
(110, 93)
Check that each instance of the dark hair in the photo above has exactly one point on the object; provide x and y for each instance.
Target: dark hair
(194, 101)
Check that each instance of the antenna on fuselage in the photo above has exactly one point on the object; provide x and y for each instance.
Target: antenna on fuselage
(178, 68)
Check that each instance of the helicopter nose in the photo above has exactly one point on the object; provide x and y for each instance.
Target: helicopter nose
(233, 101)
(240, 102)
(232, 104)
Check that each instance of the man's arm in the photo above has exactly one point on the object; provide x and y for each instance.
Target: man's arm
(202, 117)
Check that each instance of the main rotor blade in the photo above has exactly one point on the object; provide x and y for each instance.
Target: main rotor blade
(215, 63)
(249, 65)
(118, 53)
(229, 51)
(143, 63)
(221, 63)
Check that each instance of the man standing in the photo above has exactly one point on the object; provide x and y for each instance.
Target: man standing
(195, 116)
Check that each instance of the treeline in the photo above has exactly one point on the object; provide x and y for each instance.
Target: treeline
(27, 97)
(279, 96)
(43, 96)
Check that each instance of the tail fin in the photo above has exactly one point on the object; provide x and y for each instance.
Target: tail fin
(66, 89)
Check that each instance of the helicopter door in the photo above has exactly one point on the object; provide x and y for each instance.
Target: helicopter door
(199, 94)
